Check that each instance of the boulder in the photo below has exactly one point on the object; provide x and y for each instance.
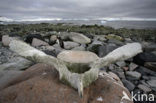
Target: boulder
(144, 88)
(17, 63)
(144, 57)
(69, 45)
(64, 36)
(29, 38)
(150, 65)
(38, 42)
(53, 39)
(114, 37)
(132, 66)
(94, 47)
(121, 63)
(79, 48)
(133, 75)
(129, 85)
(105, 49)
(100, 38)
(6, 40)
(152, 84)
(79, 38)
(7, 76)
(40, 84)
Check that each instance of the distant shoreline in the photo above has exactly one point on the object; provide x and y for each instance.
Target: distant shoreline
(117, 24)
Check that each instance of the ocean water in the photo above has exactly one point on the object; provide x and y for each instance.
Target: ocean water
(114, 24)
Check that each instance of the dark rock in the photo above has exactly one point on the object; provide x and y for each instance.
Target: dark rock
(94, 47)
(133, 75)
(150, 65)
(105, 49)
(145, 71)
(121, 63)
(41, 84)
(144, 88)
(48, 52)
(17, 63)
(0, 37)
(29, 38)
(144, 57)
(132, 66)
(129, 85)
(152, 84)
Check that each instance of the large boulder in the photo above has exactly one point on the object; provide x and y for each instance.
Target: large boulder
(17, 63)
(40, 84)
(29, 38)
(79, 38)
(38, 42)
(144, 57)
(69, 45)
(6, 40)
(105, 49)
(94, 46)
(7, 76)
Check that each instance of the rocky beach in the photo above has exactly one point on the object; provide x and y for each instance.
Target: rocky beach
(23, 80)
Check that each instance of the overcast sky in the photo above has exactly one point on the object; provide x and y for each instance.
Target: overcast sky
(69, 9)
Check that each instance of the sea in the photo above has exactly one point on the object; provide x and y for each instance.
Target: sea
(115, 24)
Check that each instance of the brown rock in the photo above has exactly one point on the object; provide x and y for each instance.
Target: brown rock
(37, 42)
(40, 84)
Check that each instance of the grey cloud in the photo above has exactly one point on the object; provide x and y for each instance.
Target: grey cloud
(78, 8)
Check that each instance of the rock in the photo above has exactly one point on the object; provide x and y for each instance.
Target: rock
(144, 57)
(125, 68)
(128, 40)
(115, 37)
(148, 47)
(58, 49)
(145, 71)
(150, 65)
(17, 63)
(64, 36)
(40, 83)
(6, 40)
(0, 37)
(112, 67)
(79, 48)
(37, 42)
(6, 54)
(117, 42)
(129, 85)
(144, 88)
(29, 38)
(79, 38)
(133, 75)
(121, 63)
(132, 66)
(69, 45)
(100, 38)
(105, 49)
(53, 39)
(7, 76)
(94, 46)
(152, 84)
(52, 53)
(115, 77)
(121, 75)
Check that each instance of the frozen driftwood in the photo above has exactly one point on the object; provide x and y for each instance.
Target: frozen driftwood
(76, 68)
